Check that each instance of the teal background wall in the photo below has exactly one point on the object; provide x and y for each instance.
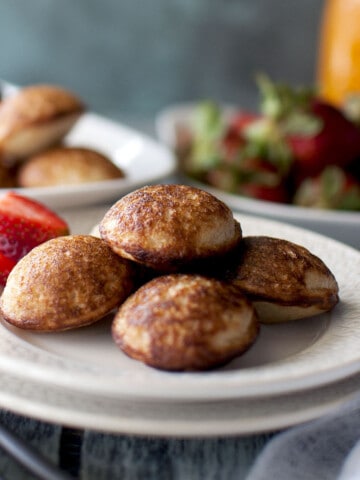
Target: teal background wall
(140, 55)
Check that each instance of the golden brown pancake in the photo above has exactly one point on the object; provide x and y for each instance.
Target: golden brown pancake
(36, 118)
(284, 280)
(66, 166)
(167, 227)
(185, 322)
(65, 283)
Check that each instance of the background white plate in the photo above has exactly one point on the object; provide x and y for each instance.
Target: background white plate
(142, 159)
(343, 226)
(286, 358)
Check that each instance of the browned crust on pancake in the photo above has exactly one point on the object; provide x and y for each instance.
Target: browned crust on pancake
(168, 226)
(34, 105)
(65, 283)
(67, 165)
(279, 271)
(35, 118)
(185, 322)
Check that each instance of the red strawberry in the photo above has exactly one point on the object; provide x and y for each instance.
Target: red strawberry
(231, 144)
(6, 265)
(24, 224)
(317, 133)
(337, 143)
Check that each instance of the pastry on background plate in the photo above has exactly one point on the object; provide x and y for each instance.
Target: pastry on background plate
(35, 118)
(185, 322)
(169, 227)
(67, 166)
(65, 283)
(283, 280)
(7, 177)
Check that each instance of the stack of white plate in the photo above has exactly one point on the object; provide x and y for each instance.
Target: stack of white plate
(294, 372)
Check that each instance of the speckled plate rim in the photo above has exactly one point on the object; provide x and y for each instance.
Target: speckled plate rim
(334, 356)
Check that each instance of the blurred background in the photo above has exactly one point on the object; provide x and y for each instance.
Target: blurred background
(134, 57)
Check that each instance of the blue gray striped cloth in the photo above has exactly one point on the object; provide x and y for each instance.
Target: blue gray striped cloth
(325, 449)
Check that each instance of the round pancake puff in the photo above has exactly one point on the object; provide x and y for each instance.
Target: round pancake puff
(283, 280)
(34, 118)
(170, 227)
(67, 166)
(185, 322)
(65, 283)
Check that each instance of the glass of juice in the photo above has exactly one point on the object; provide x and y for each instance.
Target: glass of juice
(338, 71)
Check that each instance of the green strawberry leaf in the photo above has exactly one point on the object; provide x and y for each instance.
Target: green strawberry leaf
(279, 100)
(208, 128)
(265, 140)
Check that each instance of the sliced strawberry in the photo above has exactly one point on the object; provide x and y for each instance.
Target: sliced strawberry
(25, 223)
(6, 265)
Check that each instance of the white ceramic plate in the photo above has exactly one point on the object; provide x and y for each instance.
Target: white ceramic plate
(202, 419)
(286, 358)
(343, 226)
(142, 159)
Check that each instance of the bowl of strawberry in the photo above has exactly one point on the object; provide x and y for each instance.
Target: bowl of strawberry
(296, 159)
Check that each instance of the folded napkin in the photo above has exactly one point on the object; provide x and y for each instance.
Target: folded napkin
(325, 449)
(43, 437)
(120, 457)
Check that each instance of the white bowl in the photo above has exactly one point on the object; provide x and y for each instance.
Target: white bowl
(340, 225)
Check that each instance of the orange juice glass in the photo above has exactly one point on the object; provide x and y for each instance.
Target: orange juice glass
(338, 74)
